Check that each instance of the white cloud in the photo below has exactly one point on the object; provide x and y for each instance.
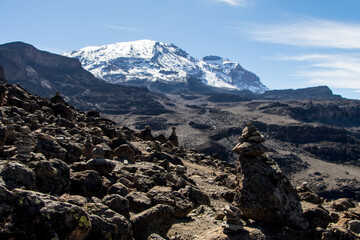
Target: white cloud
(310, 33)
(234, 3)
(337, 71)
(121, 28)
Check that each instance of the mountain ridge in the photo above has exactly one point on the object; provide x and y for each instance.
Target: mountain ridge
(151, 61)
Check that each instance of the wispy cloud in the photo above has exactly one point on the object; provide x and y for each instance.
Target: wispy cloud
(310, 33)
(337, 71)
(234, 3)
(122, 28)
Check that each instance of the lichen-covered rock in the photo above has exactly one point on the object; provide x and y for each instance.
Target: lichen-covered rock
(52, 176)
(157, 219)
(17, 175)
(31, 215)
(263, 192)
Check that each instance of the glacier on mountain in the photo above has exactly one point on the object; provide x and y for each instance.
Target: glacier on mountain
(152, 61)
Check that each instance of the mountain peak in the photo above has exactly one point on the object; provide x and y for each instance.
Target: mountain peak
(148, 61)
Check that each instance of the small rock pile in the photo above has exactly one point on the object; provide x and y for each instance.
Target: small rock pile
(232, 222)
(25, 144)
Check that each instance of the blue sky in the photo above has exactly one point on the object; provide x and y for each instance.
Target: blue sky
(288, 44)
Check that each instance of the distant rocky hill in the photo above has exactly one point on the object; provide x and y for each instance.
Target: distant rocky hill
(45, 73)
(165, 67)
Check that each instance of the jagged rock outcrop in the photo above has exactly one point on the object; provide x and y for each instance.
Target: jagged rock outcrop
(264, 193)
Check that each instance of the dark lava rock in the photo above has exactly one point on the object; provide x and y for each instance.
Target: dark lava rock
(123, 225)
(124, 151)
(318, 217)
(87, 183)
(52, 176)
(117, 203)
(17, 175)
(118, 188)
(31, 215)
(138, 201)
(157, 219)
(103, 166)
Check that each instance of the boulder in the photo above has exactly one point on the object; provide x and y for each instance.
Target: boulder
(264, 193)
(102, 166)
(317, 217)
(17, 175)
(124, 151)
(123, 225)
(101, 229)
(87, 183)
(138, 201)
(334, 232)
(52, 176)
(157, 219)
(50, 149)
(118, 188)
(30, 215)
(117, 203)
(165, 195)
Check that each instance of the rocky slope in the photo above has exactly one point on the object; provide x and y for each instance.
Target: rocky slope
(45, 73)
(163, 66)
(66, 174)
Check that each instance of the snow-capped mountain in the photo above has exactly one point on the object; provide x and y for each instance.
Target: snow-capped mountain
(151, 61)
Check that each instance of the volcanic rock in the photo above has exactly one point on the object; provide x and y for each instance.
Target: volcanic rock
(117, 203)
(17, 175)
(52, 176)
(87, 183)
(157, 219)
(125, 152)
(101, 165)
(263, 192)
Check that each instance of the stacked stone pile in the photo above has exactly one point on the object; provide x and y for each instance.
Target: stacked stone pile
(264, 193)
(25, 144)
(232, 222)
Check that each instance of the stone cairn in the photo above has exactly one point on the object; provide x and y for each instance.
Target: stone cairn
(232, 222)
(88, 148)
(25, 144)
(263, 193)
(98, 152)
(173, 138)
